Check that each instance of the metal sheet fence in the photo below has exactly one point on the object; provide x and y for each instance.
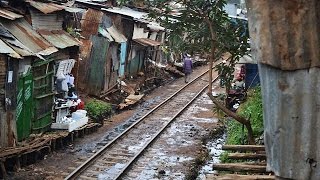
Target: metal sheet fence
(292, 121)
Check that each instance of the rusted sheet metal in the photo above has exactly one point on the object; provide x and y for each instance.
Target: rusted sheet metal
(278, 33)
(90, 22)
(59, 38)
(46, 7)
(16, 45)
(5, 49)
(147, 42)
(27, 36)
(291, 121)
(9, 15)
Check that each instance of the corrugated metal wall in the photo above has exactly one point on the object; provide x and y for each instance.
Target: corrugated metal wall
(136, 63)
(285, 41)
(292, 121)
(46, 21)
(97, 65)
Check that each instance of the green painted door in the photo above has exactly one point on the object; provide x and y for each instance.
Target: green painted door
(43, 97)
(24, 106)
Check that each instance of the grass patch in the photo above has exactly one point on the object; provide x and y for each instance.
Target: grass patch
(98, 109)
(251, 109)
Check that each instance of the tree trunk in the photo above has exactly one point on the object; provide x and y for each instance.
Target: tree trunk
(241, 120)
(210, 71)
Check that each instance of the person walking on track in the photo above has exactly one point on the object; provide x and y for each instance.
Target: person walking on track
(187, 67)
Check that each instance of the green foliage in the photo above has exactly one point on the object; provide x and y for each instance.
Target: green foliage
(203, 27)
(73, 32)
(251, 109)
(98, 109)
(224, 157)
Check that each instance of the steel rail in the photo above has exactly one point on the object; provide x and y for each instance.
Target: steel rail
(99, 153)
(125, 169)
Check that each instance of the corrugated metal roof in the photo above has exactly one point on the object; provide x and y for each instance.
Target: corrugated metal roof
(94, 3)
(137, 16)
(73, 9)
(127, 12)
(27, 36)
(9, 15)
(46, 7)
(147, 42)
(16, 45)
(21, 49)
(5, 49)
(116, 35)
(279, 38)
(59, 38)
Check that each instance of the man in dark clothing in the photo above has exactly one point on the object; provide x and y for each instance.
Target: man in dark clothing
(187, 67)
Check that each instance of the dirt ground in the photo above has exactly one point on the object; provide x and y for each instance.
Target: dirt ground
(60, 163)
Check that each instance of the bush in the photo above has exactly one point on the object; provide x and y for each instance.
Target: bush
(252, 109)
(98, 109)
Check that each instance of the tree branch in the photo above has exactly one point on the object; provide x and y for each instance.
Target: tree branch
(236, 117)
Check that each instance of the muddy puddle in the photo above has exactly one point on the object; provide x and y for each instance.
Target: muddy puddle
(215, 150)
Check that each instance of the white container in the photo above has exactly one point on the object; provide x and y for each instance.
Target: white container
(84, 112)
(77, 115)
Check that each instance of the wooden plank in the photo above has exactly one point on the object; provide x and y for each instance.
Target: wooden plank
(238, 167)
(243, 147)
(239, 177)
(246, 156)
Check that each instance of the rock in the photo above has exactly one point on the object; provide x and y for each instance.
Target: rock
(162, 172)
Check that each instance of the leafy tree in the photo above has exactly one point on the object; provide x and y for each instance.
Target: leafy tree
(203, 26)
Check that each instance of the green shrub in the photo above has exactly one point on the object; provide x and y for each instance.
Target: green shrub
(98, 109)
(252, 109)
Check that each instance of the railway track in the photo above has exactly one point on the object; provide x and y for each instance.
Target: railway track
(115, 158)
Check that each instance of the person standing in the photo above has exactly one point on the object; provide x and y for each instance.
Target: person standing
(187, 67)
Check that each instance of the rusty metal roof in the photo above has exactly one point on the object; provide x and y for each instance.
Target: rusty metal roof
(11, 41)
(28, 37)
(46, 7)
(59, 38)
(9, 15)
(5, 49)
(147, 42)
